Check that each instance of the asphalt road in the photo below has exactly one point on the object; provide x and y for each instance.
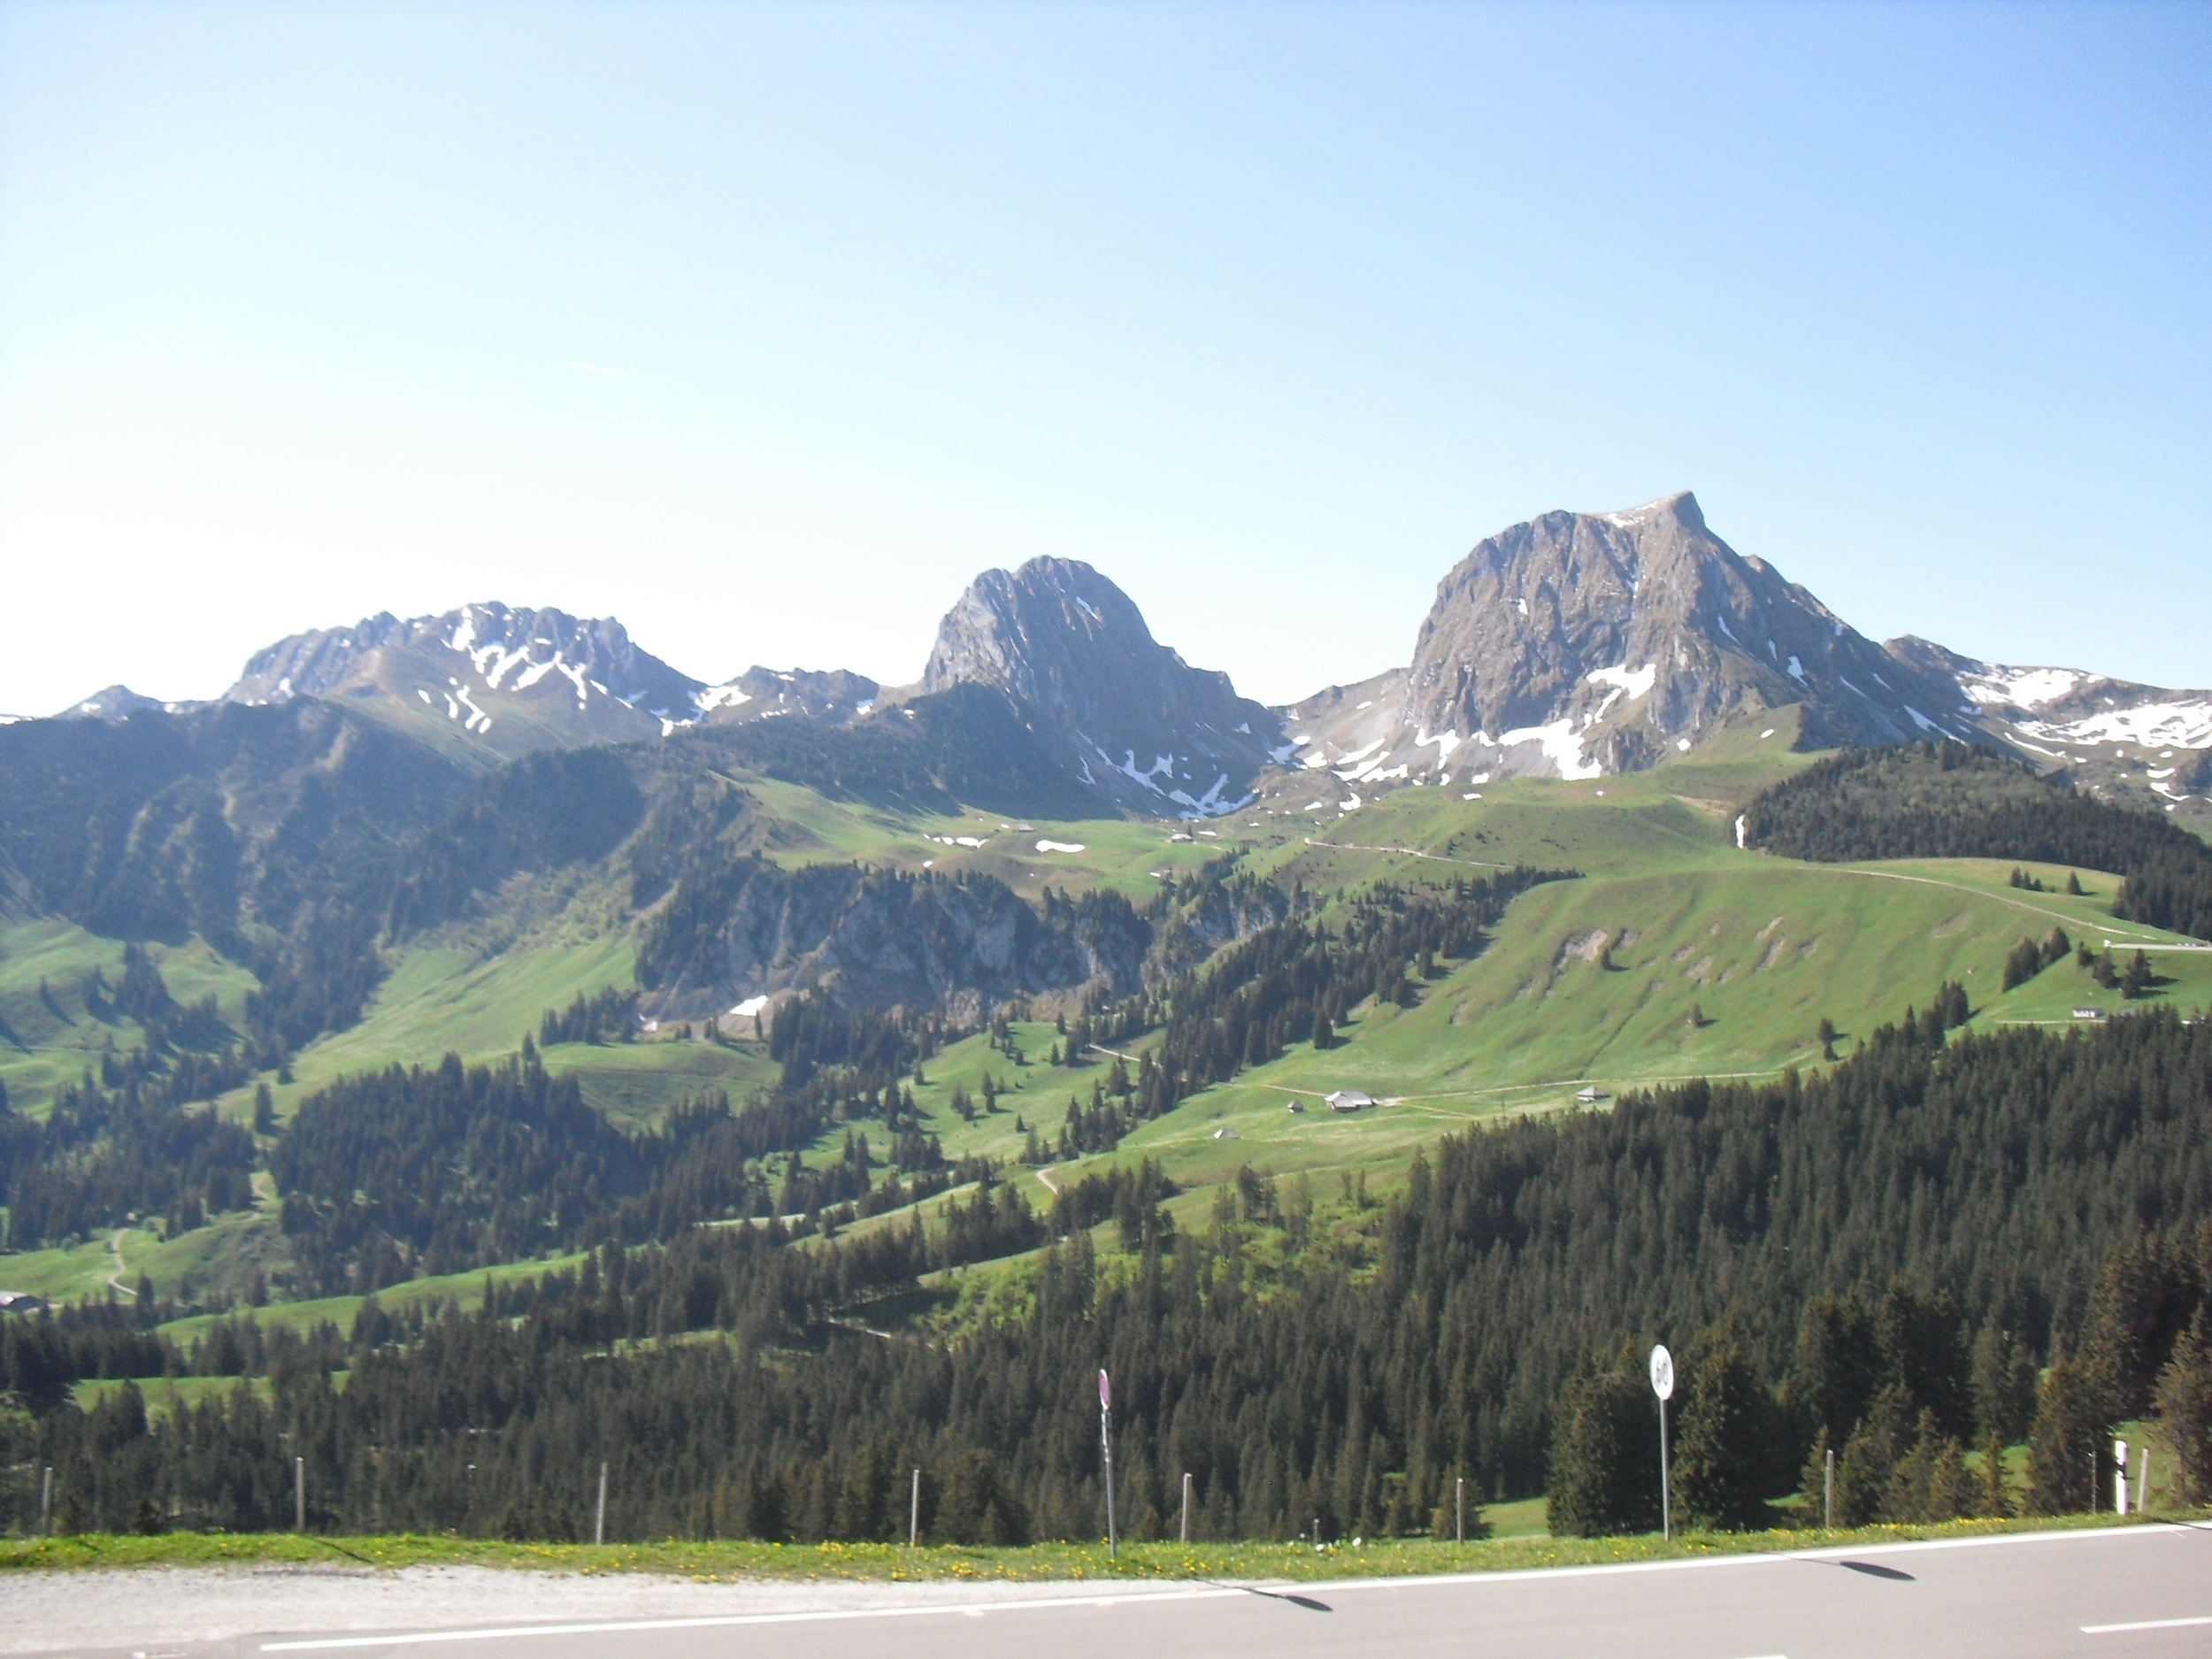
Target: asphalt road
(2124, 1593)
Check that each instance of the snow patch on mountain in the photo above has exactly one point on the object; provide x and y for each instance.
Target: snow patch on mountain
(1637, 682)
(2024, 688)
(2182, 724)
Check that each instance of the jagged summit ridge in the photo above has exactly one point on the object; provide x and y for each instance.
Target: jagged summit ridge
(507, 678)
(1577, 644)
(1120, 712)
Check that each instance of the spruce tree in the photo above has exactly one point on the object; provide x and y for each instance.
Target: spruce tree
(2003, 1383)
(1721, 1452)
(2137, 977)
(2066, 1445)
(2184, 1398)
(1867, 1467)
(1605, 1458)
(1991, 1500)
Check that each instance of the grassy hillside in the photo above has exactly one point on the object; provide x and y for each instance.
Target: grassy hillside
(48, 1041)
(1674, 954)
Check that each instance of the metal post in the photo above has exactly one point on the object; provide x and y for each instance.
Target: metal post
(1113, 1536)
(1459, 1507)
(299, 1494)
(46, 1503)
(1666, 1493)
(1828, 1491)
(1187, 1506)
(599, 1517)
(914, 1512)
(1106, 1438)
(2143, 1488)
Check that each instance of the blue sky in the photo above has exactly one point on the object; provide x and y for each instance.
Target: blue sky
(765, 327)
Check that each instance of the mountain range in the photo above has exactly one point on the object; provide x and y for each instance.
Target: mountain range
(1575, 645)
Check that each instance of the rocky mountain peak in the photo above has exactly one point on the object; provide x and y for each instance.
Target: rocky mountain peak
(489, 678)
(119, 702)
(1121, 713)
(1575, 644)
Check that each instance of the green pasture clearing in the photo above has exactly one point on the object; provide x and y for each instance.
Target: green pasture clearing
(43, 1046)
(465, 1288)
(453, 1000)
(215, 1261)
(725, 1561)
(1524, 1517)
(635, 1083)
(72, 1272)
(164, 1394)
(802, 827)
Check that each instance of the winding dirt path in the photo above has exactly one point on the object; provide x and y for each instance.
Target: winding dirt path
(115, 1253)
(1409, 852)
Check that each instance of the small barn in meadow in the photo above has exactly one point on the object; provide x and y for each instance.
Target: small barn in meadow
(1351, 1099)
(1592, 1095)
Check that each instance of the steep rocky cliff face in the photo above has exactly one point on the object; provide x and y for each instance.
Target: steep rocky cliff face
(746, 929)
(1583, 643)
(1122, 714)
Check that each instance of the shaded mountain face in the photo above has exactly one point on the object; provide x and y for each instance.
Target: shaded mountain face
(1121, 714)
(260, 829)
(1578, 644)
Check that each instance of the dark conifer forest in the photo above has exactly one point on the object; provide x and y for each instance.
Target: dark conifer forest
(1948, 800)
(1879, 1261)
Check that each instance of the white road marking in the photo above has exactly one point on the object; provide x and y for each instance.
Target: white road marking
(1210, 1591)
(728, 1621)
(2147, 1624)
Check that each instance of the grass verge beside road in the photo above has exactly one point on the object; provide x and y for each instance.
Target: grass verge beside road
(723, 1560)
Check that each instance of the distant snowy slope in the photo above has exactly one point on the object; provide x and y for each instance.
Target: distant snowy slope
(499, 681)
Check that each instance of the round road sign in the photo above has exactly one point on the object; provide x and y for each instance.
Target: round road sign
(1662, 1372)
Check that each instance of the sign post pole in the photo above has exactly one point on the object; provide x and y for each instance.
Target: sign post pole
(1106, 1438)
(2120, 1478)
(1662, 1385)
